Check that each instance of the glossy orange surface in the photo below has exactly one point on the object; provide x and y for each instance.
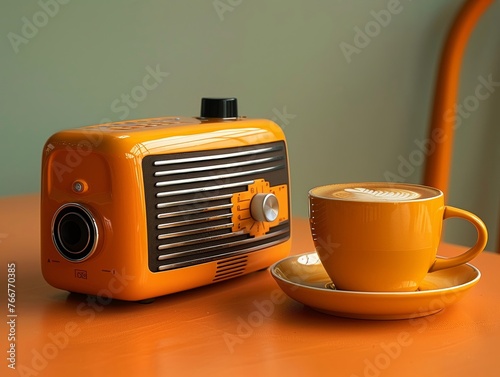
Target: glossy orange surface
(241, 327)
(106, 160)
(443, 123)
(374, 244)
(303, 278)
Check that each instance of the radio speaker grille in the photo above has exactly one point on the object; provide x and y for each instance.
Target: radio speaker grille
(188, 203)
(230, 268)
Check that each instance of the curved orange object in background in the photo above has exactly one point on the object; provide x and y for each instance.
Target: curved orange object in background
(438, 164)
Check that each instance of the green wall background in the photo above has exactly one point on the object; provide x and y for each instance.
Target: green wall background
(347, 117)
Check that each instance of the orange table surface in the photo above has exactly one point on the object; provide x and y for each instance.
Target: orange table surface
(238, 327)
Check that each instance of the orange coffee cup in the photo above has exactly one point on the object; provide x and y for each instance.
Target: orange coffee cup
(383, 236)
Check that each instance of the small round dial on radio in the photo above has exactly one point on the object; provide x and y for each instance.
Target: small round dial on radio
(260, 208)
(264, 207)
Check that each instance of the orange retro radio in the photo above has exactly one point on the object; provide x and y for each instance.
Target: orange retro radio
(139, 209)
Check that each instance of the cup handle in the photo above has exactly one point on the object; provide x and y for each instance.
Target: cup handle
(482, 239)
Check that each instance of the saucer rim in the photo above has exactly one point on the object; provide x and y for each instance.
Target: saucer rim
(374, 293)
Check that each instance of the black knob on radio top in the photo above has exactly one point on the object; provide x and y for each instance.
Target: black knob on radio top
(224, 108)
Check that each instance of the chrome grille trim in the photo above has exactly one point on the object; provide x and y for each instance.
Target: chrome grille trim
(194, 221)
(199, 240)
(194, 231)
(215, 156)
(214, 247)
(192, 201)
(194, 210)
(218, 177)
(215, 257)
(220, 166)
(203, 189)
(189, 205)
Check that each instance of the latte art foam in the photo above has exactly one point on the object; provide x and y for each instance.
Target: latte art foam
(375, 192)
(384, 194)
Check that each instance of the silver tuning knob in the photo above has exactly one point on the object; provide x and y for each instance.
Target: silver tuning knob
(264, 207)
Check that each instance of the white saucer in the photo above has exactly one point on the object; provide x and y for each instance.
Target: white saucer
(303, 278)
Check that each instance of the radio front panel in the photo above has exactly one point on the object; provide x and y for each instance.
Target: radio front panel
(196, 208)
(171, 203)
